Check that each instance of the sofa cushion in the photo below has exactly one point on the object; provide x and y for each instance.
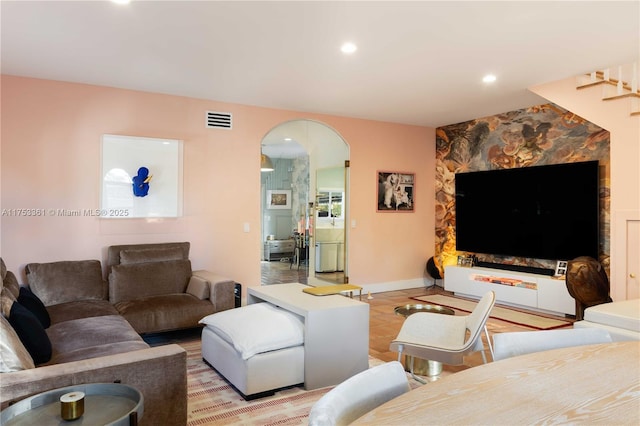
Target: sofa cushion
(35, 306)
(80, 309)
(140, 280)
(150, 255)
(165, 312)
(113, 252)
(198, 287)
(98, 351)
(66, 281)
(257, 328)
(84, 333)
(13, 355)
(31, 333)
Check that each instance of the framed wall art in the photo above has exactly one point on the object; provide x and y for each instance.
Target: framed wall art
(396, 191)
(141, 177)
(279, 199)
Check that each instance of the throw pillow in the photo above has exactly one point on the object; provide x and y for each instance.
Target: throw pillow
(31, 333)
(150, 255)
(10, 282)
(198, 287)
(13, 354)
(3, 268)
(35, 305)
(6, 300)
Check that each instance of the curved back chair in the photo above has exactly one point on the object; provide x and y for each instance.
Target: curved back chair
(359, 394)
(506, 345)
(444, 338)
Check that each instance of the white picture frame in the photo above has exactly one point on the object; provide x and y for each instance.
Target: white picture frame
(279, 199)
(561, 268)
(122, 159)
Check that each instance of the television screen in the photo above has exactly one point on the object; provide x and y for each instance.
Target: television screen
(542, 212)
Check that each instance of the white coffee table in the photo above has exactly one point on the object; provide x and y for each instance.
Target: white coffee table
(336, 333)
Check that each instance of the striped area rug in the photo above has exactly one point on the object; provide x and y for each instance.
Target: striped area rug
(526, 319)
(212, 401)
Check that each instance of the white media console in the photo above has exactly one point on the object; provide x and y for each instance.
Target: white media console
(533, 291)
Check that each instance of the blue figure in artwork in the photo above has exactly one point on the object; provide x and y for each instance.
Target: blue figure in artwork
(141, 182)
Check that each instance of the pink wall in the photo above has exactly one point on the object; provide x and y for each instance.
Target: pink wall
(50, 147)
(624, 160)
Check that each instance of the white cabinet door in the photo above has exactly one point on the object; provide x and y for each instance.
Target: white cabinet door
(472, 281)
(632, 272)
(549, 294)
(554, 296)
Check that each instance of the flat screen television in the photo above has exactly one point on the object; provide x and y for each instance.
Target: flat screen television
(541, 212)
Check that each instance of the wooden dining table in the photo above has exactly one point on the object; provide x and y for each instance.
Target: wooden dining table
(595, 384)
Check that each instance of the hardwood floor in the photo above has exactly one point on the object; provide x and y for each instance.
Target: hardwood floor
(283, 271)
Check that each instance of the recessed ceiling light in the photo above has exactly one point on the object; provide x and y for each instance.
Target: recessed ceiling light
(288, 139)
(348, 48)
(121, 1)
(489, 78)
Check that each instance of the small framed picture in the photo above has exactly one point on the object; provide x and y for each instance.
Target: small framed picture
(396, 191)
(561, 267)
(465, 261)
(279, 199)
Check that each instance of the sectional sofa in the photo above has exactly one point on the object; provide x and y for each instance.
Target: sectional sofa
(71, 326)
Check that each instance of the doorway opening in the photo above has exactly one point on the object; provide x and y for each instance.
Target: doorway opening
(304, 205)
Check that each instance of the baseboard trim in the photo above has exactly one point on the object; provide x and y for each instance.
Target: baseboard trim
(395, 285)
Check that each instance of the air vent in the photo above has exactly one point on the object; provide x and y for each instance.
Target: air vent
(219, 120)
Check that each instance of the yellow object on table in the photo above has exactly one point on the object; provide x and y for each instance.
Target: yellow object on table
(326, 290)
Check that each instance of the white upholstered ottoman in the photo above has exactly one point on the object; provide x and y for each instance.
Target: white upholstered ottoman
(258, 348)
(621, 319)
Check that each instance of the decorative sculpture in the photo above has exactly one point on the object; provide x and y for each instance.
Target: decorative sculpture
(141, 182)
(587, 283)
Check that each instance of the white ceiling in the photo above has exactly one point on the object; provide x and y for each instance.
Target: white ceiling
(418, 62)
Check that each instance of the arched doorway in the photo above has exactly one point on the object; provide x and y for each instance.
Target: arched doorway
(309, 187)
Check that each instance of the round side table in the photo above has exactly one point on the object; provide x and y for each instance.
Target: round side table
(112, 404)
(422, 367)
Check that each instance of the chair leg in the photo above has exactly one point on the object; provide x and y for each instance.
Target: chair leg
(486, 332)
(413, 376)
(484, 357)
